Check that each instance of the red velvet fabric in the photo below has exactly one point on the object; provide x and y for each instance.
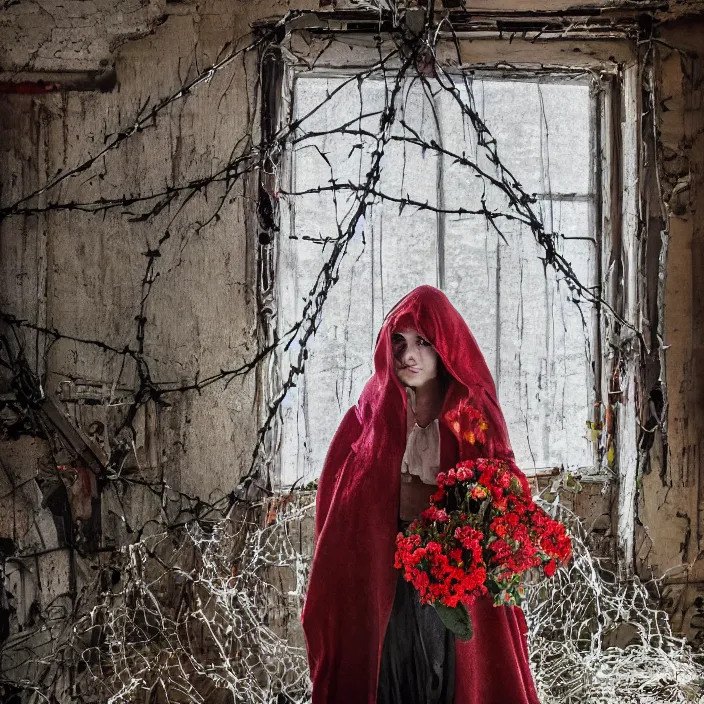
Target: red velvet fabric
(352, 580)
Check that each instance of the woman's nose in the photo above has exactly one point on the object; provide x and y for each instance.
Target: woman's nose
(409, 356)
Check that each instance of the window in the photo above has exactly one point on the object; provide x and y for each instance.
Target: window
(543, 349)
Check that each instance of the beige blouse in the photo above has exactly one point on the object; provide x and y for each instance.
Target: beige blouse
(422, 456)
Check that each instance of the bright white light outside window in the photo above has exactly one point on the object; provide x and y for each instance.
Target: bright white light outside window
(537, 342)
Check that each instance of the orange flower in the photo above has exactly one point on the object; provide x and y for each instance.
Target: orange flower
(467, 423)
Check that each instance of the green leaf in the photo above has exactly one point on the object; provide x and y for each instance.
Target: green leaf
(456, 620)
(572, 484)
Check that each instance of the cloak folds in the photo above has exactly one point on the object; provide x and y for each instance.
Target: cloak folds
(353, 581)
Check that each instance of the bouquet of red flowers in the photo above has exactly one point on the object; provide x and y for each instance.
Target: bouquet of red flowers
(480, 534)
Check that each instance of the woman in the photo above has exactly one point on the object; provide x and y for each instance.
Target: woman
(357, 618)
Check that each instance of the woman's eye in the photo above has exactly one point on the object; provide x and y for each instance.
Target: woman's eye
(423, 342)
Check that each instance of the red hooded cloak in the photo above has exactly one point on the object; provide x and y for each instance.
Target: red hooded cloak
(352, 581)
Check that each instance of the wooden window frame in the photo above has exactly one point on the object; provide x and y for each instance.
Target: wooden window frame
(608, 55)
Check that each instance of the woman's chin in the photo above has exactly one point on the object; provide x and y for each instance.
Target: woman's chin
(414, 380)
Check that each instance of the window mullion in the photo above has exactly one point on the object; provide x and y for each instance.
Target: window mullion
(440, 200)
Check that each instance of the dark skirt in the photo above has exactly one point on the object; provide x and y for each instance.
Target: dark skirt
(418, 657)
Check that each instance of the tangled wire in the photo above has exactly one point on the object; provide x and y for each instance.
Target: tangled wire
(218, 612)
(595, 638)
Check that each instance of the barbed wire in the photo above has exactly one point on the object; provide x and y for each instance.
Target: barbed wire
(418, 48)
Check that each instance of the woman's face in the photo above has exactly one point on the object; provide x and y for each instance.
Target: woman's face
(415, 360)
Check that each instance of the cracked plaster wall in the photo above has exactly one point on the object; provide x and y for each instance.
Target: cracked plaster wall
(72, 35)
(82, 275)
(671, 502)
